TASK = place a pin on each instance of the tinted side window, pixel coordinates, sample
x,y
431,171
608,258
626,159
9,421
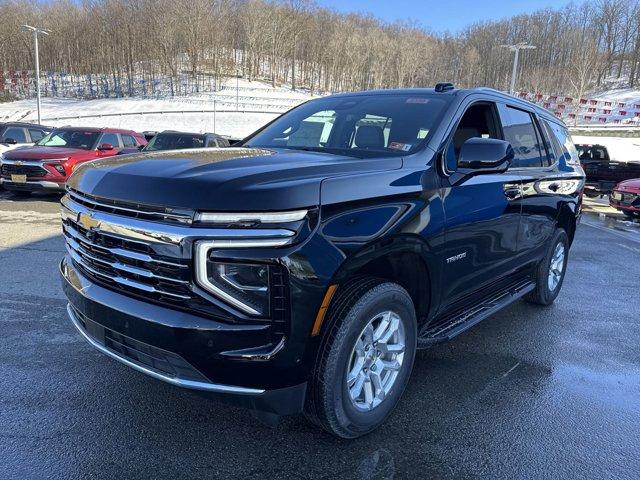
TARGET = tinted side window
x,y
36,135
211,142
128,141
554,151
562,136
478,121
111,138
520,131
16,133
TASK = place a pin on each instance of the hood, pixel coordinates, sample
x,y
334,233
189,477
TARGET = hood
x,y
225,179
633,184
45,153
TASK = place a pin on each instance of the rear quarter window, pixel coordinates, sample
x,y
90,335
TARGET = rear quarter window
x,y
520,130
563,142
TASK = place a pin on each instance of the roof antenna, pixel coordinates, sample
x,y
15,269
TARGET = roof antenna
x,y
444,87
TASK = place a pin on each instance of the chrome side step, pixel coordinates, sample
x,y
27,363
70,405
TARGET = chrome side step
x,y
445,328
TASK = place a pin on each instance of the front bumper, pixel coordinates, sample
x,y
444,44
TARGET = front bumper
x,y
32,186
180,348
630,201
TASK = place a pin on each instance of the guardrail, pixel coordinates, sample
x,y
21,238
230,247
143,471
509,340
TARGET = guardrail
x,y
157,112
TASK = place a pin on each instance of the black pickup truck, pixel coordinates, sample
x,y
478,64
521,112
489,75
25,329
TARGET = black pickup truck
x,y
602,172
300,270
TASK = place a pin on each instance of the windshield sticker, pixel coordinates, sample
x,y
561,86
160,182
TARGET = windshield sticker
x,y
405,147
417,100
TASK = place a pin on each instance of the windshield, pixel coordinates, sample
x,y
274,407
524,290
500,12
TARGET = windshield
x,y
70,139
361,126
175,141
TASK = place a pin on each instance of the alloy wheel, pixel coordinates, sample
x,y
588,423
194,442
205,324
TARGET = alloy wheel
x,y
376,360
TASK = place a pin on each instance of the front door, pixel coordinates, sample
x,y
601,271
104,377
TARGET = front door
x,y
482,216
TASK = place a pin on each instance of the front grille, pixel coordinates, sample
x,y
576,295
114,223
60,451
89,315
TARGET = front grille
x,y
9,169
150,261
630,199
127,264
132,210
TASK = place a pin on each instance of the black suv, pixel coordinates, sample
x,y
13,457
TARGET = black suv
x,y
300,271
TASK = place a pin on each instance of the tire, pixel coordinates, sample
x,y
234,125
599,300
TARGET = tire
x,y
630,215
547,290
329,401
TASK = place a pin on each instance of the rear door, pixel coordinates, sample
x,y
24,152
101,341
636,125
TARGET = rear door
x,y
536,163
482,216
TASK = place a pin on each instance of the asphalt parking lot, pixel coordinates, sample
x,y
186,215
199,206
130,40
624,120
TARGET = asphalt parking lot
x,y
529,393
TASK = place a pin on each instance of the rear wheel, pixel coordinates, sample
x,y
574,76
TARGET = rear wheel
x,y
551,270
365,359
631,215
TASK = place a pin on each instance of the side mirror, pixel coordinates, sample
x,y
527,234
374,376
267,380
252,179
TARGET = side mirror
x,y
10,141
485,155
105,146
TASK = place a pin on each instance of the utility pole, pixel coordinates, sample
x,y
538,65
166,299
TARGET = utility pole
x,y
35,31
516,49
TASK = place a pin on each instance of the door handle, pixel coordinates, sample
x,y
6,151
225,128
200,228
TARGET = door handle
x,y
512,193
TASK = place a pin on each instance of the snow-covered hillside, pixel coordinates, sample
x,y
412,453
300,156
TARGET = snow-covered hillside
x,y
263,101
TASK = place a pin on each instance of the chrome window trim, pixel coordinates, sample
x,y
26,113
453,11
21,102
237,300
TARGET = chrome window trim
x,y
180,382
202,250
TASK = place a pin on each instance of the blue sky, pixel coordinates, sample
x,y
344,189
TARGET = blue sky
x,y
442,15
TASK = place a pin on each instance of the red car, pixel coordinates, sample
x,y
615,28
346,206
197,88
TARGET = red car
x,y
626,197
47,164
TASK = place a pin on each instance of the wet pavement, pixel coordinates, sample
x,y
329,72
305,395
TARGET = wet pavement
x,y
529,393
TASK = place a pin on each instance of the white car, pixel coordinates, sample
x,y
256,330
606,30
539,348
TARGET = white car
x,y
19,134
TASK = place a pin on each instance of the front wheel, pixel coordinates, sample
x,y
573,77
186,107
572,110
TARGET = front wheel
x,y
551,270
365,359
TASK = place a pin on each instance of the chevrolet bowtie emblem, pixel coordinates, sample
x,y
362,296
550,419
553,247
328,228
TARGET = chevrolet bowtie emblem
x,y
87,221
19,162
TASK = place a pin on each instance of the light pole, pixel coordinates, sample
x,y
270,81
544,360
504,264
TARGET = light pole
x,y
35,31
516,49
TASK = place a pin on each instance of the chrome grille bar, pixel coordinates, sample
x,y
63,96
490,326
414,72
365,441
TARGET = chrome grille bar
x,y
133,229
121,266
119,252
121,280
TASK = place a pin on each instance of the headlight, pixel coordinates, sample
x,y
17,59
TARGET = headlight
x,y
242,285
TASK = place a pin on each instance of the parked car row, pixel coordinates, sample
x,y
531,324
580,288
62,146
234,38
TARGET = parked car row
x,y
38,158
